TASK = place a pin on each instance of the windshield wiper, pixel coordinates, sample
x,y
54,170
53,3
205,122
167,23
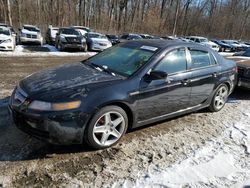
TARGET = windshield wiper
x,y
103,68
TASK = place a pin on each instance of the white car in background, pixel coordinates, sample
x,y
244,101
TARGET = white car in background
x,y
83,30
205,41
97,41
7,40
30,34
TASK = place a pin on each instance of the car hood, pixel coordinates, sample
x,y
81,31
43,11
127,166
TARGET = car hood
x,y
25,31
210,43
64,81
4,37
100,40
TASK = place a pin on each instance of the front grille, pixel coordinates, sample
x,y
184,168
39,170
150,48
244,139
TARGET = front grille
x,y
31,36
73,40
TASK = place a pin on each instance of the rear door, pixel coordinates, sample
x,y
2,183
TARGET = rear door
x,y
205,71
165,96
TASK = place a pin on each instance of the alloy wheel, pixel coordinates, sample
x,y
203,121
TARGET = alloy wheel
x,y
221,97
109,128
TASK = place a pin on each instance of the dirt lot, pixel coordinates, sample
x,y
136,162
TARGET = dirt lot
x,y
197,150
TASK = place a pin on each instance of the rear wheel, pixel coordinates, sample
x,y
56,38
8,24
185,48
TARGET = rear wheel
x,y
106,127
220,98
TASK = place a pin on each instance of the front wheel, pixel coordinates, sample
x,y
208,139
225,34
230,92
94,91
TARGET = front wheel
x,y
106,127
219,99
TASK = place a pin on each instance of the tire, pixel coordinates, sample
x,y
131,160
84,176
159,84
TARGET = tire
x,y
106,127
219,99
85,49
59,47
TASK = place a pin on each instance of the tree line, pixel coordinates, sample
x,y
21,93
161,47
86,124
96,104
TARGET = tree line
x,y
211,18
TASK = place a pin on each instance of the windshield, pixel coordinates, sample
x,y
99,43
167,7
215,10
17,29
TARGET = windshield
x,y
4,31
122,60
112,36
31,29
203,40
98,36
135,37
70,32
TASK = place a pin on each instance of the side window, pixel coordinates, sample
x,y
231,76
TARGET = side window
x,y
173,62
212,59
197,40
199,58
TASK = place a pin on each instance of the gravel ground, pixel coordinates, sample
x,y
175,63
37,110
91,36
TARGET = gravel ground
x,y
201,149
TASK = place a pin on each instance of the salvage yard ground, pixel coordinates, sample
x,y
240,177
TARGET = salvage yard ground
x,y
201,149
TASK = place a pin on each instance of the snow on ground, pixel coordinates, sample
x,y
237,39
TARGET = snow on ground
x,y
42,51
226,53
220,163
239,57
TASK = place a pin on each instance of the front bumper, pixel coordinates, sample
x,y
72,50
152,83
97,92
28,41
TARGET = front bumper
x,y
73,46
99,47
31,40
7,46
56,128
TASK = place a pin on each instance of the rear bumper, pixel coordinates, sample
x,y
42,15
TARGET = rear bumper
x,y
244,82
64,128
98,47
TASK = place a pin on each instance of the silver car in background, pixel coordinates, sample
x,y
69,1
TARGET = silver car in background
x,y
30,34
97,41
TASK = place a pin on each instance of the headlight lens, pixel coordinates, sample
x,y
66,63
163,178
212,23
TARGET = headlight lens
x,y
7,41
63,39
46,106
23,35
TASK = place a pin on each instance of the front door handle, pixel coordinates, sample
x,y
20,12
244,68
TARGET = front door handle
x,y
215,74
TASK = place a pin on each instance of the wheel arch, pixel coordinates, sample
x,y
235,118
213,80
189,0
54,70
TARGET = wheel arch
x,y
125,107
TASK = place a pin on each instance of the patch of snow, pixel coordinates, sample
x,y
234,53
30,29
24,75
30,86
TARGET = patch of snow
x,y
223,162
21,52
239,57
226,53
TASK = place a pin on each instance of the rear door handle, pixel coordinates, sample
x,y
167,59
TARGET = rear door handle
x,y
185,82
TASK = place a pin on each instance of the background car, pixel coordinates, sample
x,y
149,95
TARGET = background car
x,y
223,47
30,34
235,44
130,36
7,40
83,30
129,85
204,41
97,41
114,39
69,38
51,35
146,36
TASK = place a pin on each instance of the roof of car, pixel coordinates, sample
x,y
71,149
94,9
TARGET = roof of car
x,y
29,26
198,37
158,42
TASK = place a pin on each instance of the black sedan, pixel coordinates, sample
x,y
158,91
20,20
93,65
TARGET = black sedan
x,y
129,85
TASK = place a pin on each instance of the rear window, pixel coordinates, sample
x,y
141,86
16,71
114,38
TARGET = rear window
x,y
199,58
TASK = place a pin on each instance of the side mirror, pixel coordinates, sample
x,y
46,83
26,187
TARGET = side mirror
x,y
156,75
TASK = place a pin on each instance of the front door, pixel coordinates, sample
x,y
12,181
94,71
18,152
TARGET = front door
x,y
165,96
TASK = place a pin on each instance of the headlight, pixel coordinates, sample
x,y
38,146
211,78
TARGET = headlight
x,y
23,35
7,41
83,40
46,106
63,39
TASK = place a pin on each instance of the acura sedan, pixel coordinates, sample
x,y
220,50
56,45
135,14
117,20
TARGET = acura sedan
x,y
129,85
